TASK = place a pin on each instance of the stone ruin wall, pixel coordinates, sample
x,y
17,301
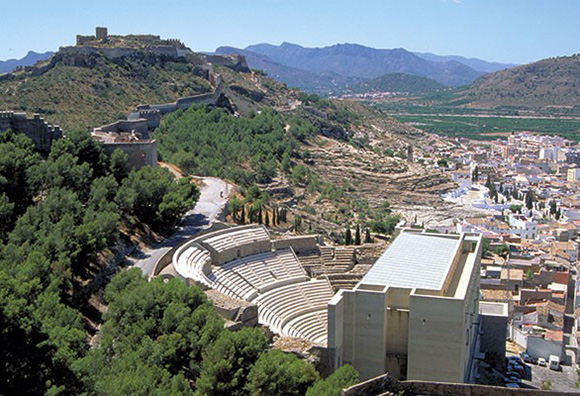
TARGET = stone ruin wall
x,y
139,154
139,126
36,128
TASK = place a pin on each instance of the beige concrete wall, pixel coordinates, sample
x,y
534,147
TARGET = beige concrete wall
x,y
369,336
437,339
336,328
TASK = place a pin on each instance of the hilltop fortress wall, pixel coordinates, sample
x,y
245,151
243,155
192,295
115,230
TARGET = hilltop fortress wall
x,y
139,153
133,134
36,128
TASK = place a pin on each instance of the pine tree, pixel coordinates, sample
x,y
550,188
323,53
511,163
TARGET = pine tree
x,y
357,240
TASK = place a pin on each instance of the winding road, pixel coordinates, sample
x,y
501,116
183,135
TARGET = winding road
x,y
212,199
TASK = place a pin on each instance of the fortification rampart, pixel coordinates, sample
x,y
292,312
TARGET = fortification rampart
x,y
36,128
139,154
138,126
234,62
154,112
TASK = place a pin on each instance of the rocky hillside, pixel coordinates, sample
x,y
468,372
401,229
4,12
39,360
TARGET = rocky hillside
x,y
343,159
553,82
77,89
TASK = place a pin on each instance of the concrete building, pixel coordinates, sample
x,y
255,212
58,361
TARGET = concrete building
x,y
573,174
415,313
525,227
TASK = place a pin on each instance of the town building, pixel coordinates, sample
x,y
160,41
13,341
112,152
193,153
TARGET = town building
x,y
415,313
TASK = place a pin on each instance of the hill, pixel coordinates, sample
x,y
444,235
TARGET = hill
x,y
69,219
308,81
549,83
355,60
29,59
396,82
476,64
76,89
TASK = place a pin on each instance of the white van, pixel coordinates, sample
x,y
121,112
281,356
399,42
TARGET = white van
x,y
554,362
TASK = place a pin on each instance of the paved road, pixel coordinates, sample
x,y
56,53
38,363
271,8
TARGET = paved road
x,y
211,201
562,381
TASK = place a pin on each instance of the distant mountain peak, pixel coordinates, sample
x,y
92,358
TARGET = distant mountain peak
x,y
358,61
29,59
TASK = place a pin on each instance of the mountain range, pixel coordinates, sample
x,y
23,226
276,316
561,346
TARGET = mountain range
x,y
476,64
342,65
28,60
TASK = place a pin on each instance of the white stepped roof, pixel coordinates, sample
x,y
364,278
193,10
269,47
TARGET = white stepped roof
x,y
414,260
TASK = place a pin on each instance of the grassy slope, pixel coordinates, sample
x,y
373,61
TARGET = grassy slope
x,y
79,97
547,83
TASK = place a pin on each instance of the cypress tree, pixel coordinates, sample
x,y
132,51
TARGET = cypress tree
x,y
357,240
267,219
348,236
368,238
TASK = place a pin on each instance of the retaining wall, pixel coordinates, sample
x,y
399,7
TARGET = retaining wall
x,y
385,383
300,244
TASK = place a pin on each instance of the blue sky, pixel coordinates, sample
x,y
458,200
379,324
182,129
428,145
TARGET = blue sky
x,y
517,31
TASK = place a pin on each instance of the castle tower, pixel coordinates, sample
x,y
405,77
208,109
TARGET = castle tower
x,y
101,33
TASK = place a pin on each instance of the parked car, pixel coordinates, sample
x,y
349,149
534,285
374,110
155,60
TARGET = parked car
x,y
515,359
554,362
527,358
542,362
517,369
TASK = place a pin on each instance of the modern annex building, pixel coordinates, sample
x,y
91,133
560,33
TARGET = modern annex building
x,y
415,313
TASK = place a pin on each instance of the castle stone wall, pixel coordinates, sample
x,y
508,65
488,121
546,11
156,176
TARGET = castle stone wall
x,y
140,153
140,126
36,128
